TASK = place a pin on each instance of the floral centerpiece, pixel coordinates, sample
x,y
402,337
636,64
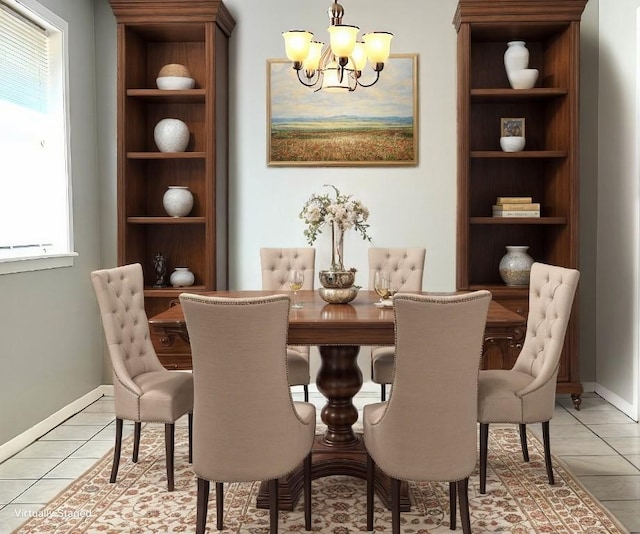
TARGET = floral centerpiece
x,y
340,211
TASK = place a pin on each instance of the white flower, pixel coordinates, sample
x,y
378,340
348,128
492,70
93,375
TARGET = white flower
x,y
341,210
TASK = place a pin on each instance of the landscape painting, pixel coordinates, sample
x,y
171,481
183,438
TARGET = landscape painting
x,y
370,126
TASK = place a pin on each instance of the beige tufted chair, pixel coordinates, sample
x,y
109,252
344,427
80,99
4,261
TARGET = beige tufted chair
x,y
144,391
276,265
240,344
406,267
527,392
427,431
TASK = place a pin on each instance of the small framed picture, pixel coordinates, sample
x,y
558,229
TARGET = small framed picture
x,y
512,127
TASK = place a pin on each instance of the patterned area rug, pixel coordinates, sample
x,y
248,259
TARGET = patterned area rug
x,y
518,500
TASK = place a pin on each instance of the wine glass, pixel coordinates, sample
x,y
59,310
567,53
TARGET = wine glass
x,y
382,285
296,279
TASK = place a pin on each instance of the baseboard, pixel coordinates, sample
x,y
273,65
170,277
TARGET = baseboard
x,y
622,405
38,430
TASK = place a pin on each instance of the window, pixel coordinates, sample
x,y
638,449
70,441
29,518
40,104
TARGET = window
x,y
35,175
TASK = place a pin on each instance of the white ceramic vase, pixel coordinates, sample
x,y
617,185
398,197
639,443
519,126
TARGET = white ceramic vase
x,y
171,135
515,266
516,57
181,277
177,201
513,143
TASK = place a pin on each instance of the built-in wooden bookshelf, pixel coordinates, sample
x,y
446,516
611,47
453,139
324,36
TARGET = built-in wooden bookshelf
x,y
547,168
150,36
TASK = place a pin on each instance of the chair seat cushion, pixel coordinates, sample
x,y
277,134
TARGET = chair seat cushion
x,y
497,399
166,395
298,365
382,364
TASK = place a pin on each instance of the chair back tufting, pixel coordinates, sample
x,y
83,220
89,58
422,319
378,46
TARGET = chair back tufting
x,y
277,263
120,295
551,294
405,266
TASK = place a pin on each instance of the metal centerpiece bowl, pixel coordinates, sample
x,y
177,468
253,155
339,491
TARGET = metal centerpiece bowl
x,y
337,286
337,279
340,295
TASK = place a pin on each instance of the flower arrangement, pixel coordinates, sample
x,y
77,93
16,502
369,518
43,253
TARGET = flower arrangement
x,y
342,212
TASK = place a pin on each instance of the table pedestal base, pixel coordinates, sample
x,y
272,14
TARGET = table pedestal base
x,y
339,451
329,461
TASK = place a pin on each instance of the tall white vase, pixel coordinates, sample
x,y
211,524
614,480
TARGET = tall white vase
x,y
516,57
178,201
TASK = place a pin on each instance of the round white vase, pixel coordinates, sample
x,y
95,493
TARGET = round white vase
x,y
178,201
171,135
181,277
515,266
516,57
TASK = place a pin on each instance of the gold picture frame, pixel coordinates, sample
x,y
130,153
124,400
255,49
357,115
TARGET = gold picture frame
x,y
371,126
512,127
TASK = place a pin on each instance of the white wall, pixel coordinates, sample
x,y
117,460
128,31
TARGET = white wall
x,y
51,339
618,238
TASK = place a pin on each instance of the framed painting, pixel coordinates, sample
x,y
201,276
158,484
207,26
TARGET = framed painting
x,y
512,127
371,126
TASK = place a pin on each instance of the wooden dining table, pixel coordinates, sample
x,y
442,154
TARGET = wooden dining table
x,y
339,330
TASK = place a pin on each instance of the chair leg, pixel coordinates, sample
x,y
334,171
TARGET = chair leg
x,y
307,491
273,506
383,392
168,446
395,506
452,505
116,451
190,418
463,499
306,393
219,505
484,444
137,429
371,472
523,442
202,504
547,451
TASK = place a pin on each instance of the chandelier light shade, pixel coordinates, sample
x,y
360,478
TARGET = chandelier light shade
x,y
339,66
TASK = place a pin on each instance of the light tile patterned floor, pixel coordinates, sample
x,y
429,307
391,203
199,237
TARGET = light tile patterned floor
x,y
599,444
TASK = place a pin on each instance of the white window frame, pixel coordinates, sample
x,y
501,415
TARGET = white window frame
x,y
59,57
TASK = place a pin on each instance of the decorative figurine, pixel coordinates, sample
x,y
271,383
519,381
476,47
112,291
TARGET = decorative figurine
x,y
161,270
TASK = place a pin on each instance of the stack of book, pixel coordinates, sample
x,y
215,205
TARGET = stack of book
x,y
516,207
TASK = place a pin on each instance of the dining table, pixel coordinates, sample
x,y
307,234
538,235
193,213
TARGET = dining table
x,y
339,330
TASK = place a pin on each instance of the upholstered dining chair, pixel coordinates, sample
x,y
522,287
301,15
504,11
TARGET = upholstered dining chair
x,y
405,267
239,345
526,393
144,391
277,264
427,430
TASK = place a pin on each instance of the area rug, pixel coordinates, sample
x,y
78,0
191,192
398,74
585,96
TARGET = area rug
x,y
518,500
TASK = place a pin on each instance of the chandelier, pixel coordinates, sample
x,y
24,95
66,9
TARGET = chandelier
x,y
339,66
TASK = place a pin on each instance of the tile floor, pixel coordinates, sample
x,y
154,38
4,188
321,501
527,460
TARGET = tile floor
x,y
599,444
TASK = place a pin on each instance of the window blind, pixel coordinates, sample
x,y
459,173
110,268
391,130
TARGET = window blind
x,y
24,61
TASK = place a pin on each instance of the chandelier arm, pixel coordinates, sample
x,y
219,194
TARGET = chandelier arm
x,y
368,84
316,74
